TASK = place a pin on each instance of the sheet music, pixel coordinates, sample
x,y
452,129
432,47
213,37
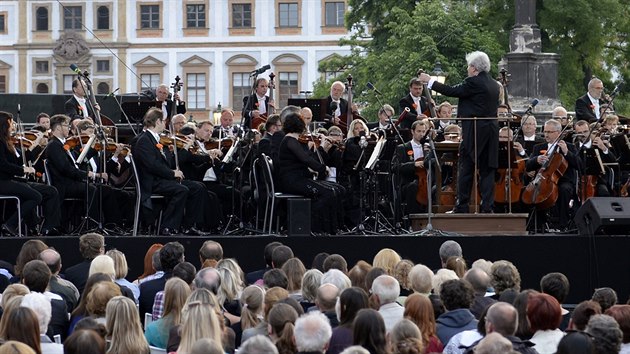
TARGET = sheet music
x,y
375,154
86,149
228,156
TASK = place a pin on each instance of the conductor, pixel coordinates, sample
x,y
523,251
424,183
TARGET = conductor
x,y
478,98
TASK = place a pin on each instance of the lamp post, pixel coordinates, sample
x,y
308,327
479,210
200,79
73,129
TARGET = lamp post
x,y
438,75
216,116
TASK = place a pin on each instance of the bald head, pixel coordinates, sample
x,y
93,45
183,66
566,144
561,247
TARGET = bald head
x,y
52,259
479,280
327,297
502,318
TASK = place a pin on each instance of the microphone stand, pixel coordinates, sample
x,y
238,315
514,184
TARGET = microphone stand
x,y
389,117
125,115
248,105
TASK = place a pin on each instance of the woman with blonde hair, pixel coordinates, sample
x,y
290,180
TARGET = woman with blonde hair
x,y
15,347
386,259
229,291
176,291
121,269
232,264
123,327
405,338
7,307
419,310
198,321
11,291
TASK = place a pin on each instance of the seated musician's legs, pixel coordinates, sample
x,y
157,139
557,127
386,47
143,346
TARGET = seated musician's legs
x,y
409,192
566,191
50,204
78,190
176,194
195,201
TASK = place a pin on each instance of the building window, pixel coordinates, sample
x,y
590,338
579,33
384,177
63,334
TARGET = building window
x,y
240,89
41,67
288,14
334,13
102,88
328,75
3,84
41,88
102,66
41,19
150,81
67,83
72,17
3,23
288,86
196,91
241,15
102,18
150,16
196,16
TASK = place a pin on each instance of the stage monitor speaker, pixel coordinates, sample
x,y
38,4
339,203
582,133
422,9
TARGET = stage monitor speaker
x,y
299,217
604,216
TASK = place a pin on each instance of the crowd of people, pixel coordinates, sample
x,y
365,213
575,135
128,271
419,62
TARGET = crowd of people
x,y
382,305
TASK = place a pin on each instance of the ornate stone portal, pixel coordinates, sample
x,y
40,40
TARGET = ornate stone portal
x,y
71,48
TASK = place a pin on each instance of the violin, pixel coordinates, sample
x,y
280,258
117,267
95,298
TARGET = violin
x,y
218,144
77,140
167,140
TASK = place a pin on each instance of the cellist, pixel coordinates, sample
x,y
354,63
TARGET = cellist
x,y
411,156
566,184
593,152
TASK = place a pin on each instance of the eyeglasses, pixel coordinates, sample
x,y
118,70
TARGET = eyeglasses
x,y
550,131
559,117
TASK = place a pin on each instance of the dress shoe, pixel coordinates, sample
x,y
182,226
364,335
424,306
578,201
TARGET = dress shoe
x,y
193,231
168,232
6,230
51,232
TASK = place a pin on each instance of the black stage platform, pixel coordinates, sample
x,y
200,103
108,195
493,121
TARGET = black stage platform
x,y
588,262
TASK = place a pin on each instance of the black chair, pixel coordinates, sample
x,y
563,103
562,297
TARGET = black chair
x,y
136,219
6,198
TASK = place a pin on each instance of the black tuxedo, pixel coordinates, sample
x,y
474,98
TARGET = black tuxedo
x,y
583,110
412,116
566,183
590,167
408,179
331,108
72,109
225,131
478,97
270,144
249,105
157,177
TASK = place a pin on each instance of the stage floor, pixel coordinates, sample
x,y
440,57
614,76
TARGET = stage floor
x,y
588,262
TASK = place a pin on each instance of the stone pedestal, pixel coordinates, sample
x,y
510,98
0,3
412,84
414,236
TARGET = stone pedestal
x,y
533,74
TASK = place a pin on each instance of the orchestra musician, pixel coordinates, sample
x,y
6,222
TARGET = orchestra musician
x,y
336,105
560,114
478,97
78,107
30,194
444,112
257,104
527,137
65,175
415,102
227,128
411,155
384,114
162,94
295,164
43,119
591,106
307,117
270,143
587,147
566,183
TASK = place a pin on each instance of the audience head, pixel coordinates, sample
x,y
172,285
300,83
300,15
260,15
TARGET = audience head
x,y
457,264
275,277
12,291
606,297
582,313
52,259
199,320
210,253
15,347
520,304
505,276
448,249
457,294
258,344
268,252
337,278
355,349
36,276
41,308
185,271
386,288
207,346
272,296
349,302
421,279
123,327
103,264
544,312
483,264
91,245
170,255
478,279
91,324
358,273
501,318
232,264
372,274
30,250
252,300
556,285
335,261
369,331
621,314
294,270
406,338
280,255
281,321
23,327
83,341
401,273
326,297
120,263
209,279
494,343
318,261
606,334
176,292
576,342
311,281
443,275
419,310
151,266
312,332
386,259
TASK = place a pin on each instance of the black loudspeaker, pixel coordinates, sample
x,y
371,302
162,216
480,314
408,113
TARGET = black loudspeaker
x,y
299,217
604,216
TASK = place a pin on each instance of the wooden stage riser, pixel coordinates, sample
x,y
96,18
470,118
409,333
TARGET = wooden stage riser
x,y
473,224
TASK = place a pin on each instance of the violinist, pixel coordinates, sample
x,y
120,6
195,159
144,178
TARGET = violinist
x,y
258,104
65,175
307,117
527,137
593,150
270,143
416,103
566,183
78,107
384,114
444,112
43,119
226,129
411,156
178,121
561,115
591,106
31,194
295,164
336,105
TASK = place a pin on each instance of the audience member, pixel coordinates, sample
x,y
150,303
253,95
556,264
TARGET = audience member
x,y
349,302
152,266
84,341
494,343
606,334
311,281
557,285
206,346
405,338
280,255
254,276
337,278
544,315
40,306
210,254
98,298
57,285
170,255
176,291
199,320
258,344
441,276
457,265
318,261
505,278
480,281
325,301
401,273
606,297
124,330
294,270
369,331
419,310
275,278
582,313
282,319
121,269
457,296
335,261
386,290
621,314
576,342
90,246
448,249
251,315
386,259
30,250
15,347
358,274
23,327
312,333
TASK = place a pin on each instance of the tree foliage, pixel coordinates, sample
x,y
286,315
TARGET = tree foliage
x,y
590,36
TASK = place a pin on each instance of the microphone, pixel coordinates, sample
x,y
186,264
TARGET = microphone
x,y
76,69
111,94
333,105
531,106
363,142
261,70
371,87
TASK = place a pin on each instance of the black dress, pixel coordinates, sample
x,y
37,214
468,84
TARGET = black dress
x,y
294,177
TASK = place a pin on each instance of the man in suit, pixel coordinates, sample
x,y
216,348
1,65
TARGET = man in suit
x,y
384,114
411,155
566,183
156,175
591,106
162,95
257,105
336,106
226,129
415,102
592,150
78,107
270,143
64,172
478,97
